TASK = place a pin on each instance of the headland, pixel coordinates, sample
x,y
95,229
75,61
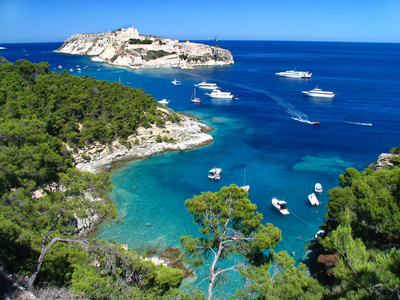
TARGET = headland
x,y
126,47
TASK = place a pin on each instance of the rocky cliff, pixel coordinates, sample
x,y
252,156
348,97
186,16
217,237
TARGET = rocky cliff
x,y
126,47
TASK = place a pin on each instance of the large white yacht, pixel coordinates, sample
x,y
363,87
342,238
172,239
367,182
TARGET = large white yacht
x,y
319,93
294,74
206,85
220,95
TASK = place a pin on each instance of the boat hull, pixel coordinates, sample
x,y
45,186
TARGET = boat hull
x,y
320,95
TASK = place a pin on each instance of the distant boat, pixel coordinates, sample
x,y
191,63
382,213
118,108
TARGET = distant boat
x,y
318,188
294,74
176,82
313,199
315,123
320,233
220,95
60,66
214,173
319,93
194,99
280,205
206,85
164,101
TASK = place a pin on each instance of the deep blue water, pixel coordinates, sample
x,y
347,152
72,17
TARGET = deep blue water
x,y
257,133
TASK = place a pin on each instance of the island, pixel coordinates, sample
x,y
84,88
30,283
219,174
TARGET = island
x,y
126,47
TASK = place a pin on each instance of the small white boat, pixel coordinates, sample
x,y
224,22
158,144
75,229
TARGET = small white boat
x,y
320,233
294,74
280,205
220,95
194,99
318,188
319,93
245,187
313,199
214,173
206,85
71,70
176,82
164,101
60,66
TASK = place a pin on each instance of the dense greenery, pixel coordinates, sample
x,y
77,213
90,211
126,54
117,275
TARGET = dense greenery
x,y
41,193
139,41
363,225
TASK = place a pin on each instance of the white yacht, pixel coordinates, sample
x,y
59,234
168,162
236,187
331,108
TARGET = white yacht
x,y
214,173
318,188
206,85
164,101
319,93
220,95
280,205
313,199
176,82
294,74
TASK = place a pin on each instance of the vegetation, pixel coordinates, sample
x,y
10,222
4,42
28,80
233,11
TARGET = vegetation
x,y
139,41
230,226
363,222
42,196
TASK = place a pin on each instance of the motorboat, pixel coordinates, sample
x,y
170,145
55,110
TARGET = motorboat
x,y
294,74
194,99
176,82
164,101
318,188
320,233
206,85
220,95
319,93
315,123
214,173
245,187
280,205
313,199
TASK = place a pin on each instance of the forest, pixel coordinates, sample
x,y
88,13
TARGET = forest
x,y
41,194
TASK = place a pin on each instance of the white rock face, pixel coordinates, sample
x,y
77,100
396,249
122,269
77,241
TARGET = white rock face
x,y
114,48
187,134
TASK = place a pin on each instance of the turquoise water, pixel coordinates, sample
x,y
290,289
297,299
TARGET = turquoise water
x,y
256,134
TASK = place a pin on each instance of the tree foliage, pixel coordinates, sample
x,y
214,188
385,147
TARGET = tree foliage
x,y
363,226
42,195
230,225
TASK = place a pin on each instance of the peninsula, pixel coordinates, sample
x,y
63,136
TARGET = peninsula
x,y
126,47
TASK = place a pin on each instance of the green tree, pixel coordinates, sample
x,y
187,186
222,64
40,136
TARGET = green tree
x,y
229,224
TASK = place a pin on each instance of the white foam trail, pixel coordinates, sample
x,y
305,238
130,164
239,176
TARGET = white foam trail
x,y
359,124
302,120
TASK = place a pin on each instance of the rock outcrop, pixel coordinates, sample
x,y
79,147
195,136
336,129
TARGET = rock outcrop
x,y
186,134
126,47
384,160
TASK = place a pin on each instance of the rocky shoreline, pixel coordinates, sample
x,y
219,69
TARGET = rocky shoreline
x,y
126,47
186,134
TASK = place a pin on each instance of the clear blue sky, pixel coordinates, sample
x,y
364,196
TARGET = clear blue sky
x,y
295,20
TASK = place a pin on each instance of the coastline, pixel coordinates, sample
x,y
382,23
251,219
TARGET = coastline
x,y
187,134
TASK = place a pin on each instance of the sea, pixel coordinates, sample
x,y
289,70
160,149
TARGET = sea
x,y
264,138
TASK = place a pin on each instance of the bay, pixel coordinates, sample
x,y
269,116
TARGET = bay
x,y
256,136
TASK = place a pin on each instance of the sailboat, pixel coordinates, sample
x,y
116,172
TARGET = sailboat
x,y
245,187
194,99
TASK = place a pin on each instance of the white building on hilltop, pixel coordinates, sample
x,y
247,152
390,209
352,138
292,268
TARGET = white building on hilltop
x,y
129,33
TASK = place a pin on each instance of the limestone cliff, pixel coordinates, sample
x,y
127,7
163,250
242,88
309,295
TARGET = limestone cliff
x,y
126,47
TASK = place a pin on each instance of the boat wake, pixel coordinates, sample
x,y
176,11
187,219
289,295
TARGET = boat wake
x,y
303,121
359,124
